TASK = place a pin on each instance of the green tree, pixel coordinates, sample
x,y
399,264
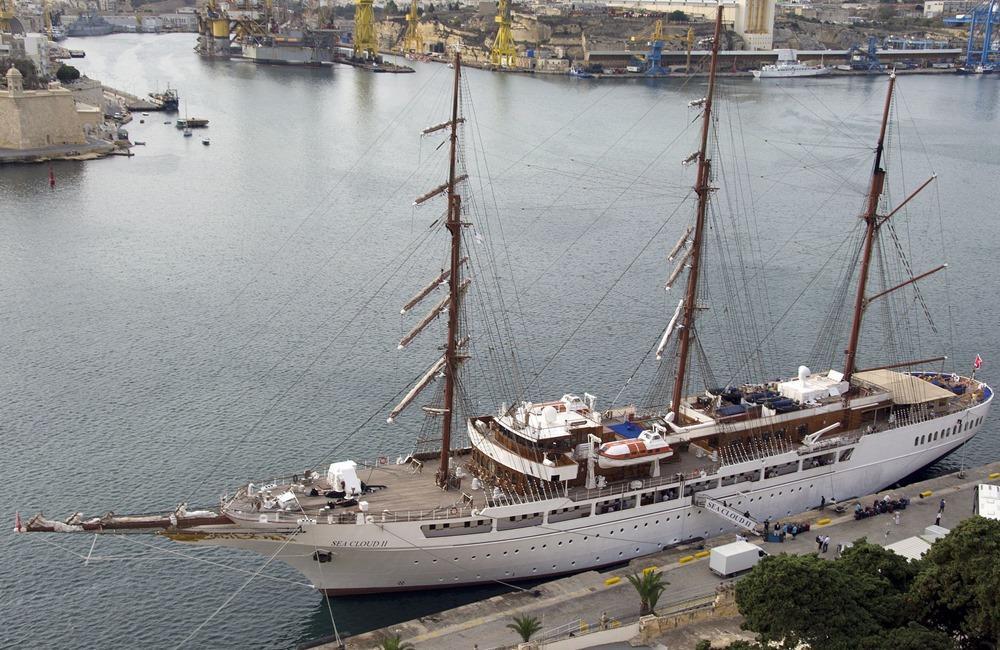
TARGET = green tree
x,y
67,73
800,598
957,588
912,637
525,626
871,559
649,586
391,7
394,642
677,16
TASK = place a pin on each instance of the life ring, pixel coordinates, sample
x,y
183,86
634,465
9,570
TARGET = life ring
x,y
453,511
382,460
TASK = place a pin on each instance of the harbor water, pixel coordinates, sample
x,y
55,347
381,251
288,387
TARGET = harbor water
x,y
180,322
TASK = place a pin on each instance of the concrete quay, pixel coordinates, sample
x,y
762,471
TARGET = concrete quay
x,y
576,603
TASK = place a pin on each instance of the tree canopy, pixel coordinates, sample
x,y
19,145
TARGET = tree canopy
x,y
872,599
958,588
67,73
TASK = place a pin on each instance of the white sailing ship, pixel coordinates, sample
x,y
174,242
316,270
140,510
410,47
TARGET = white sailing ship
x,y
788,65
553,487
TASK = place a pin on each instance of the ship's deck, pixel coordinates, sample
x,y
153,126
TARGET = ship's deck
x,y
408,492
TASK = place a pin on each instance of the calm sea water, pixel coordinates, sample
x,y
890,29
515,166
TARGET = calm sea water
x,y
181,321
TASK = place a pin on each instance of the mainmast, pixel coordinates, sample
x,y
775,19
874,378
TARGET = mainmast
x,y
703,189
454,225
872,223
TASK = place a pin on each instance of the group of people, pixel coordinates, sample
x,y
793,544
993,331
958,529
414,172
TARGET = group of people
x,y
880,506
822,543
778,531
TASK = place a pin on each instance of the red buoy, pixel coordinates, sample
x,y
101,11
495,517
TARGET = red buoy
x,y
52,177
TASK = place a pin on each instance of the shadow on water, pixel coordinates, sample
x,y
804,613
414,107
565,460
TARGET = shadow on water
x,y
373,611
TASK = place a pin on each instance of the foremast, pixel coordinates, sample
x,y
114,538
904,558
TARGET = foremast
x,y
703,190
454,225
448,363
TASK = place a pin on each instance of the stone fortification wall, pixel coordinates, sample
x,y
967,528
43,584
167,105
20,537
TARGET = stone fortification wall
x,y
34,119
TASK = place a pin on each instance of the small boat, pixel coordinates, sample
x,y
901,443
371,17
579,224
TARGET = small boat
x,y
649,446
139,143
187,132
206,141
580,73
145,114
167,122
192,123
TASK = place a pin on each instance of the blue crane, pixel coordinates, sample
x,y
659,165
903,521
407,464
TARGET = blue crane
x,y
982,53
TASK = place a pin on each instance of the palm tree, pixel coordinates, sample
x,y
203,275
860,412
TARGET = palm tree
x,y
394,642
649,585
525,626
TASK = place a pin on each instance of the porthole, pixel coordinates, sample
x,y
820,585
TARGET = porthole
x,y
487,555
532,548
559,544
516,551
570,541
473,557
505,553
416,561
434,561
553,566
573,563
620,553
621,530
534,569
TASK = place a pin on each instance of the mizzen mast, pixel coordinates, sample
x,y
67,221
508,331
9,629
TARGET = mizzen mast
x,y
871,226
702,188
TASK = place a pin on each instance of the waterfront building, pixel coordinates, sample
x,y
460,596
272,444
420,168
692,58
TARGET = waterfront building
x,y
753,20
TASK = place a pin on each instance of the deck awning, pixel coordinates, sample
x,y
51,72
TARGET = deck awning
x,y
627,429
904,388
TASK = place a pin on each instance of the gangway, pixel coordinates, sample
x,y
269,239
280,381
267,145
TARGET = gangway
x,y
732,516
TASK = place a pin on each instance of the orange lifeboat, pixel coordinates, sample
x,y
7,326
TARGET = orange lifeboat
x,y
647,447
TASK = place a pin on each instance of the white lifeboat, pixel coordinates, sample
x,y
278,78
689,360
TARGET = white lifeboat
x,y
649,446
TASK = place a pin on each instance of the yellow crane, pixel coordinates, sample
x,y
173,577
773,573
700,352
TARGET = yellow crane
x,y
412,41
504,52
48,19
365,42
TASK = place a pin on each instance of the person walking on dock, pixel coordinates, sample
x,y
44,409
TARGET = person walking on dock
x,y
937,519
604,620
896,517
826,543
819,542
941,506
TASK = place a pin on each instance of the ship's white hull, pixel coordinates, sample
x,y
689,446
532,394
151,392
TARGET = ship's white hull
x,y
795,72
375,557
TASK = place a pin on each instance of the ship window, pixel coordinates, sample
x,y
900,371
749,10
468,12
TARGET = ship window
x,y
845,455
922,439
916,441
647,498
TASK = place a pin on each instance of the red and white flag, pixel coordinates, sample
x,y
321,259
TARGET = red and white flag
x,y
17,522
978,363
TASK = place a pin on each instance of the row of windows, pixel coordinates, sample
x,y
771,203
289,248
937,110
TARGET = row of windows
x,y
946,433
611,533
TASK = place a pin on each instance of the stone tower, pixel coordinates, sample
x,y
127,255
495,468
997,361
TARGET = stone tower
x,y
15,82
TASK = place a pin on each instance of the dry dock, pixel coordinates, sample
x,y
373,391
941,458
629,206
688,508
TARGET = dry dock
x,y
575,604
